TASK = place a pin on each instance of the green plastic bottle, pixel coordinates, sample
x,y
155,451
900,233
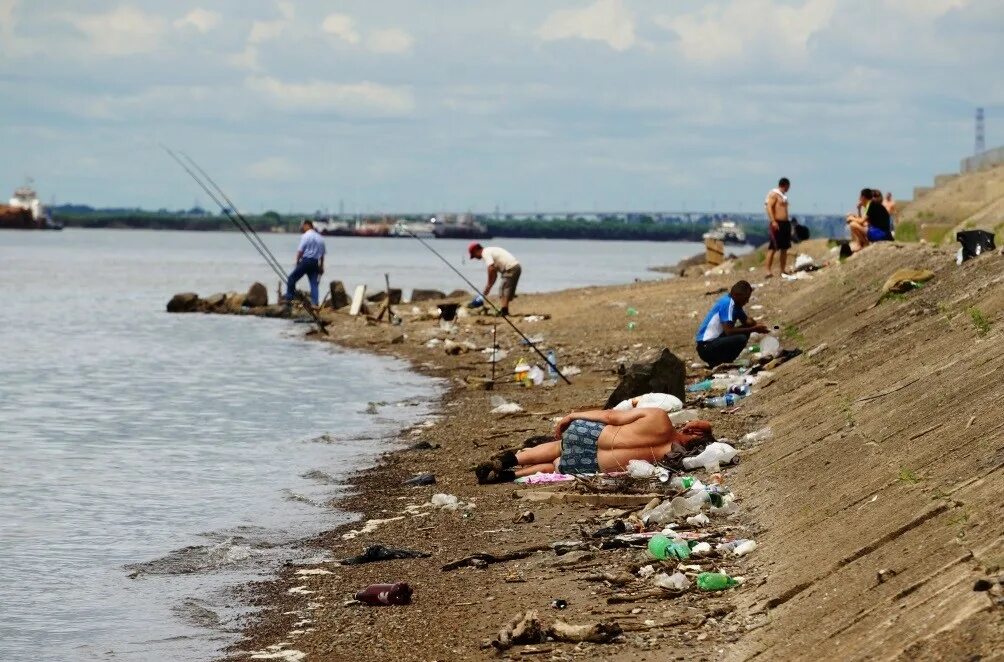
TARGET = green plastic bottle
x,y
715,581
662,548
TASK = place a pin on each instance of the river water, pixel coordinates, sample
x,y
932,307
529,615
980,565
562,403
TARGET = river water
x,y
149,463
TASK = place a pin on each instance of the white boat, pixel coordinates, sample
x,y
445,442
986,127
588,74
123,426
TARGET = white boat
x,y
25,199
728,231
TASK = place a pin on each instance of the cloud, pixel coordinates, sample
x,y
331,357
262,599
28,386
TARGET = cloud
x,y
605,20
927,9
390,40
341,26
262,31
363,99
199,19
122,31
716,34
273,168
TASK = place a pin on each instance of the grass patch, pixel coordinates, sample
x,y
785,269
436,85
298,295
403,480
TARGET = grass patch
x,y
908,476
935,234
792,333
892,296
979,321
907,231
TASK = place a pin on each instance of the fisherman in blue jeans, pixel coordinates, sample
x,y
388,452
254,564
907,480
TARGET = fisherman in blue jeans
x,y
309,262
726,329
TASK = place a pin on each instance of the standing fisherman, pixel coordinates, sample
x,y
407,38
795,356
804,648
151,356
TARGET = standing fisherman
x,y
309,262
499,262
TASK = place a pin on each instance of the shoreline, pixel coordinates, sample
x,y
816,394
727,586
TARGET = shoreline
x,y
307,612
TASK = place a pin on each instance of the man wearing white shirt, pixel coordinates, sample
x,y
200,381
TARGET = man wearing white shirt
x,y
500,262
309,262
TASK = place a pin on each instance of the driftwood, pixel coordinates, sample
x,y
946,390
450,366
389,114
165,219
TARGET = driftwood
x,y
526,628
621,598
482,559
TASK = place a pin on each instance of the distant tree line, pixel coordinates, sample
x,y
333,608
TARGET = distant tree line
x,y
612,229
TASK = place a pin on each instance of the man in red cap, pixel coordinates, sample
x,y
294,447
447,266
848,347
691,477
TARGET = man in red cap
x,y
500,262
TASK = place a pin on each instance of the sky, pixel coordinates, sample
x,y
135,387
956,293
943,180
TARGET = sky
x,y
380,106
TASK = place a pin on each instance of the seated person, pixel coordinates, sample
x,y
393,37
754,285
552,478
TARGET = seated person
x,y
596,441
872,222
726,328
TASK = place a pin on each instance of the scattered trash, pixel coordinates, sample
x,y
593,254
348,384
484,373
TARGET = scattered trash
x,y
974,243
532,340
698,387
571,371
527,629
502,406
699,520
755,437
369,527
643,469
495,355
722,401
445,501
744,548
559,604
715,454
801,275
675,582
662,548
385,594
803,262
715,581
375,553
615,529
534,318
685,416
701,548
632,312
421,479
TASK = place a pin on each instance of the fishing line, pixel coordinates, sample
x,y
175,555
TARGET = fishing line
x,y
490,303
245,228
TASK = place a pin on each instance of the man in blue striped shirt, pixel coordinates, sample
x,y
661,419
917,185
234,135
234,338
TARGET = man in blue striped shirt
x,y
309,262
726,328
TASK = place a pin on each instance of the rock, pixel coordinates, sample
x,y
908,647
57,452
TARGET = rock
x,y
381,296
655,372
426,295
459,294
397,339
214,301
454,348
904,280
339,297
185,302
234,302
257,296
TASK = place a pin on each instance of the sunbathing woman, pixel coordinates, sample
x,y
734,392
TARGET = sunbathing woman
x,y
595,441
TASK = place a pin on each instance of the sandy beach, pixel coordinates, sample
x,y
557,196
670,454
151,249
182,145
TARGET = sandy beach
x,y
874,505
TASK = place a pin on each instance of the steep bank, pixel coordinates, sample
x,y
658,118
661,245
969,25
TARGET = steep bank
x,y
888,446
957,202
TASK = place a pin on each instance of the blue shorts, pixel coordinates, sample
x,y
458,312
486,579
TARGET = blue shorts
x,y
874,234
578,447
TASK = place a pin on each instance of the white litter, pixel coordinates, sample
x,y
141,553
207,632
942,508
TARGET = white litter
x,y
664,401
502,406
700,520
677,581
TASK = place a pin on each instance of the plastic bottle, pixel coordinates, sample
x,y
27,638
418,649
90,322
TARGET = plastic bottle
x,y
680,482
631,326
686,506
715,581
642,469
704,385
662,548
742,390
675,582
725,547
385,594
632,312
552,367
660,515
722,401
745,548
714,454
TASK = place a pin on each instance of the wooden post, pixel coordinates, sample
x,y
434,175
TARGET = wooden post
x,y
714,251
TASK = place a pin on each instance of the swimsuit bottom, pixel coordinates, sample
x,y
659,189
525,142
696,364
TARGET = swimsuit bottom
x,y
578,447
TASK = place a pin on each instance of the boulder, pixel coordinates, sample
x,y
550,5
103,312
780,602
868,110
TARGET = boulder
x,y
655,372
185,302
904,280
381,296
234,302
214,301
426,295
459,294
339,297
257,296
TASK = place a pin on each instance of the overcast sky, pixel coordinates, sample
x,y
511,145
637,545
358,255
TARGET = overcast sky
x,y
467,104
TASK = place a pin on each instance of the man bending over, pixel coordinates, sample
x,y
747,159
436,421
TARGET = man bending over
x,y
726,328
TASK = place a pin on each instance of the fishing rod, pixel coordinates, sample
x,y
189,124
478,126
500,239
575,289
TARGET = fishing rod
x,y
244,226
474,287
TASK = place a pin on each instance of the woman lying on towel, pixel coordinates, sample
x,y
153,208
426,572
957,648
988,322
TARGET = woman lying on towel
x,y
596,441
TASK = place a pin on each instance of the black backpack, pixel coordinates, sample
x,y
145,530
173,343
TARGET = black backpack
x,y
974,243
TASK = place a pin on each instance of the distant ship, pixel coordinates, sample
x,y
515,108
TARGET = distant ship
x,y
26,212
727,231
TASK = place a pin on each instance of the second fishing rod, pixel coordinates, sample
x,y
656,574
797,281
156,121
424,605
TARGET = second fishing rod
x,y
505,318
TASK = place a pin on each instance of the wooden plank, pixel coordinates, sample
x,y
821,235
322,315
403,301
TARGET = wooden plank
x,y
358,297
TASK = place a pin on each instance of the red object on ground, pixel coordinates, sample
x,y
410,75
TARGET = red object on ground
x,y
385,594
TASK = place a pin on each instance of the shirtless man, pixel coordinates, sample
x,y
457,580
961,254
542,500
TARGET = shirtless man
x,y
779,228
890,206
597,441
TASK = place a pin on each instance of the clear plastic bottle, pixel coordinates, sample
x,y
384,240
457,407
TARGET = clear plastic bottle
x,y
722,401
697,387
552,367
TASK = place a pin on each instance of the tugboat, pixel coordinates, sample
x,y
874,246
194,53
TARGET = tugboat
x,y
26,212
727,231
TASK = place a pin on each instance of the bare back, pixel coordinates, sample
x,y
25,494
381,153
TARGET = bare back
x,y
652,428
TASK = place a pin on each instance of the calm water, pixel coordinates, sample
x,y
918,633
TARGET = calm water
x,y
148,462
